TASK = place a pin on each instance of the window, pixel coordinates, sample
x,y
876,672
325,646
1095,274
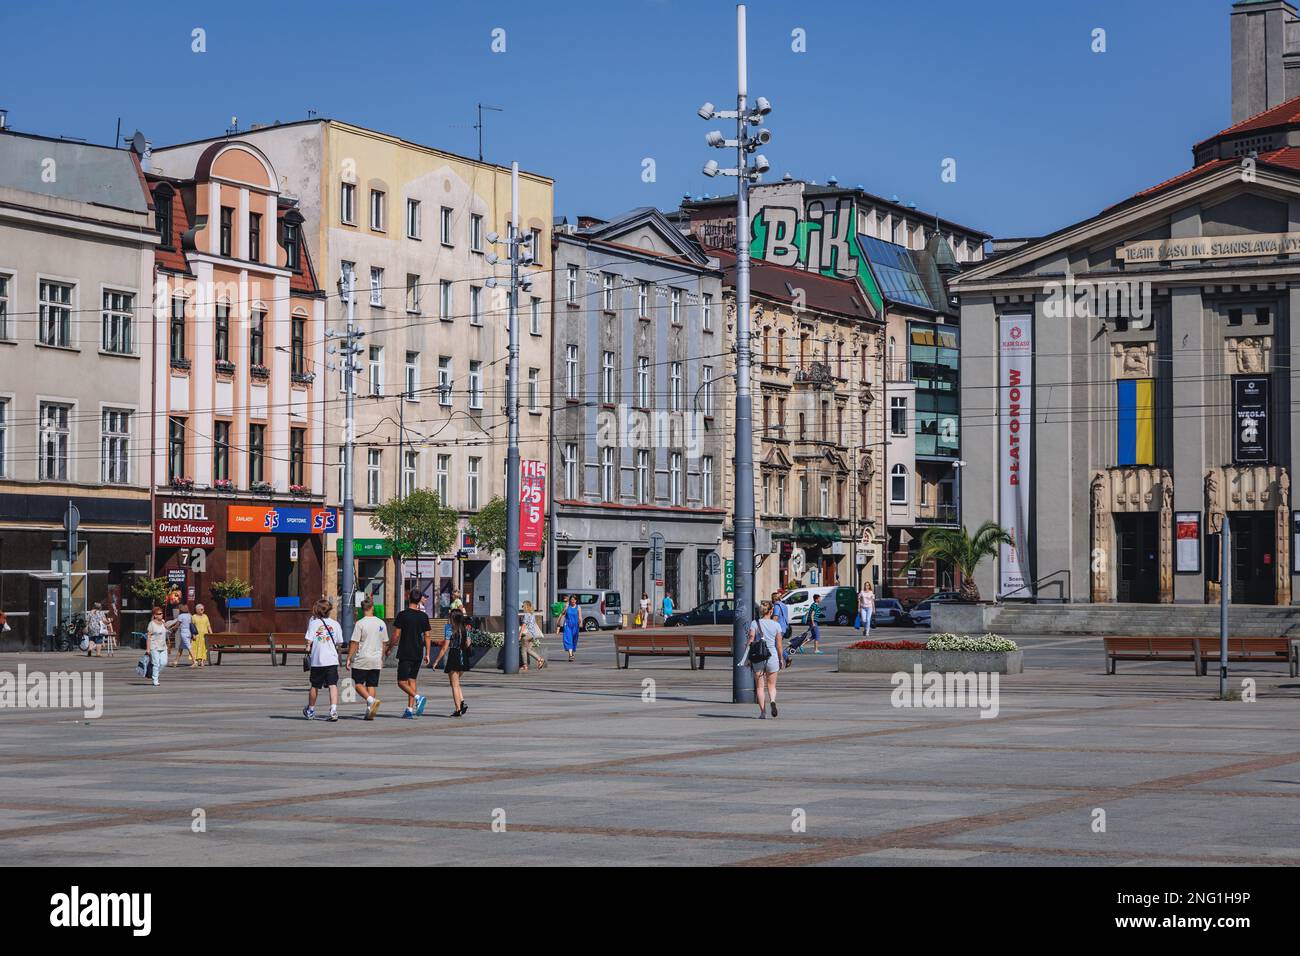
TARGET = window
x,y
440,477
706,312
643,381
643,486
476,233
222,335
898,416
780,496
642,299
412,294
534,389
115,446
675,478
175,448
571,489
118,316
706,481
256,337
824,489
839,424
376,370
675,306
292,246
413,219
412,382
221,451
163,215
254,237
410,461
675,387
348,204
475,305
536,237
607,378
374,473
1234,316
607,474
376,286
767,494
297,346
227,229
444,300
780,347
535,317
803,495
56,312
297,455
571,371
475,386
4,437
898,485
4,307
444,225
605,568
607,285
706,393
471,484
444,380
571,289
176,331
256,454
377,210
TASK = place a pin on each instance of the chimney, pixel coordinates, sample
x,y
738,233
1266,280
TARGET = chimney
x,y
1265,56
4,119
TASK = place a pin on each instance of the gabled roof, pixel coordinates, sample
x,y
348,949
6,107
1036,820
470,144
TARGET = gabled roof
x,y
823,293
645,216
1284,114
85,172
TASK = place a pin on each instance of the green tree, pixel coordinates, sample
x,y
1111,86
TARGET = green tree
x,y
152,591
962,551
489,527
417,523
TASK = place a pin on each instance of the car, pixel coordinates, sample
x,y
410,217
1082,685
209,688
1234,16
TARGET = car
x,y
889,612
920,614
600,610
839,605
719,611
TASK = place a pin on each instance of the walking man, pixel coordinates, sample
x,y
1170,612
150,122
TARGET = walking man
x,y
324,637
414,638
366,655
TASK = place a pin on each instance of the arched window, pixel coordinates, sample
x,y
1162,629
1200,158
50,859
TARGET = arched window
x,y
898,485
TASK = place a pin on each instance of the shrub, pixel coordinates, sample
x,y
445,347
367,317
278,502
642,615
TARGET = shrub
x,y
232,588
152,590
989,643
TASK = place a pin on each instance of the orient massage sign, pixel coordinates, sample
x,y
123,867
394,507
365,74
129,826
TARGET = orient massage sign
x,y
184,524
1212,247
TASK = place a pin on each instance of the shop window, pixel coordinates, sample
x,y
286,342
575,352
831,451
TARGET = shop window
x,y
289,553
239,556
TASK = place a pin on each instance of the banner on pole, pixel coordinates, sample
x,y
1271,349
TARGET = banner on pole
x,y
532,504
1016,415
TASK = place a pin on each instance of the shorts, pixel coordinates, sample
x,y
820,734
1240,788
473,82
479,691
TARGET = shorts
x,y
770,666
97,638
407,670
365,678
325,676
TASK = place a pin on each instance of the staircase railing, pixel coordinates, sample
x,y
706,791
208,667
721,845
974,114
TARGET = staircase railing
x,y
1063,588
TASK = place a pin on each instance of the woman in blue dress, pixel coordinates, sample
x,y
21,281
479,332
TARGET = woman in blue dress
x,y
572,624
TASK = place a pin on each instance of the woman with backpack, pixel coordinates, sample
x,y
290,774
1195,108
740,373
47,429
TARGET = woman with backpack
x,y
763,654
457,652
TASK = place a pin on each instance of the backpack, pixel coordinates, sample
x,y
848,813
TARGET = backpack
x,y
758,649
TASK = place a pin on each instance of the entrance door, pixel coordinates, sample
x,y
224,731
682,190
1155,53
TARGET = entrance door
x,y
1254,571
1137,570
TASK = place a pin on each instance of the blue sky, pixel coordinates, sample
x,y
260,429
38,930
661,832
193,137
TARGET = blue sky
x,y
1044,131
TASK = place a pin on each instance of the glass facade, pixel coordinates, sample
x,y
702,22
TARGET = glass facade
x,y
933,355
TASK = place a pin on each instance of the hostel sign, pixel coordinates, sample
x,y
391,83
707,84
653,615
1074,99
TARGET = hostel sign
x,y
1212,247
184,524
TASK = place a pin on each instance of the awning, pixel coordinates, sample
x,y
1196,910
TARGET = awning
x,y
818,531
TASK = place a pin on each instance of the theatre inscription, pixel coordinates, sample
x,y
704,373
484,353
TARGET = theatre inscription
x,y
1212,247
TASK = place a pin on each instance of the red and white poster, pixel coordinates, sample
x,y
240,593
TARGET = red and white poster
x,y
1015,422
532,504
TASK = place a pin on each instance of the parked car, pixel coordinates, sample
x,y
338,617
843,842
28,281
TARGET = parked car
x,y
600,610
725,610
920,614
839,605
889,612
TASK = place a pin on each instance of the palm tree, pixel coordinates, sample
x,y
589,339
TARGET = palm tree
x,y
962,551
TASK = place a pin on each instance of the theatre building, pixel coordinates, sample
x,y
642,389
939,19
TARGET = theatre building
x,y
1129,385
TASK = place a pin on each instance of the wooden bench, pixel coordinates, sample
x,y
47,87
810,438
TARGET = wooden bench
x,y
1153,649
651,645
710,645
1247,650
287,642
238,643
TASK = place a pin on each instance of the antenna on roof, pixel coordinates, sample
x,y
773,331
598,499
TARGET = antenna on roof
x,y
311,113
234,126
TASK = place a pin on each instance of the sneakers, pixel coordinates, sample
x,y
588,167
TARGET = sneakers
x,y
408,714
420,701
309,713
774,713
370,711
333,717
818,651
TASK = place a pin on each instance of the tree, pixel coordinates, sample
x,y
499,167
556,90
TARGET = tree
x,y
489,527
962,551
418,523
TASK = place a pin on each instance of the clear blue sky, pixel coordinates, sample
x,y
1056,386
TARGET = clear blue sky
x,y
1044,131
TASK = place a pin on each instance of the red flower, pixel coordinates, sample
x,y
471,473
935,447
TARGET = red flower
x,y
888,646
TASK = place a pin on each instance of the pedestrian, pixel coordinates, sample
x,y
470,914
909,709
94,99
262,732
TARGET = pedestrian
x,y
530,638
866,607
814,625
414,638
184,635
324,637
96,628
456,652
668,606
763,655
201,627
366,656
572,625
456,603
645,609
156,641
781,614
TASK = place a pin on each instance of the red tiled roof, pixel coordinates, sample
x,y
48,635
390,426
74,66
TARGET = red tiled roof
x,y
841,296
1283,114
1288,157
172,259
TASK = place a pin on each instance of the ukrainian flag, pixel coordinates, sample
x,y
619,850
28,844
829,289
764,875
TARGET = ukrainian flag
x,y
1136,421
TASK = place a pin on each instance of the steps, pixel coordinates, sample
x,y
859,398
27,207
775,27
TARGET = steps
x,y
1143,620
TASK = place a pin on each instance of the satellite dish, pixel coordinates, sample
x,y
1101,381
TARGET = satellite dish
x,y
138,143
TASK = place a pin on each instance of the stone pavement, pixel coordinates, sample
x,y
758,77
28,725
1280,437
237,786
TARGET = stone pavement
x,y
587,773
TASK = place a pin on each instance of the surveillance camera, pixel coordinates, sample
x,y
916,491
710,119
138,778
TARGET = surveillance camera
x,y
763,137
706,111
490,282
491,258
761,106
710,168
492,238
761,165
715,139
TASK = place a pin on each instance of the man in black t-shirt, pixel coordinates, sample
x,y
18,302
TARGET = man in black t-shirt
x,y
414,636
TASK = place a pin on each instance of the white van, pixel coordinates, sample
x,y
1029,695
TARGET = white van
x,y
799,600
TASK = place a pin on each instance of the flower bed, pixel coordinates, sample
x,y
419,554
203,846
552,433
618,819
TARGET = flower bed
x,y
887,646
948,653
979,645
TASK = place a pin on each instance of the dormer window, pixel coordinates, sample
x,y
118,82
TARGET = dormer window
x,y
163,214
291,239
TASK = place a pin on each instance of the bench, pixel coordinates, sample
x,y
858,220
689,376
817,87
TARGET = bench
x,y
285,643
694,647
1254,649
1153,649
710,645
238,643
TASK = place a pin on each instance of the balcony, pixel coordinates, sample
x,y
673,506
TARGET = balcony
x,y
938,515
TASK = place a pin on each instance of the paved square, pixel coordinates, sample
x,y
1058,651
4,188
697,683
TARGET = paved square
x,y
587,773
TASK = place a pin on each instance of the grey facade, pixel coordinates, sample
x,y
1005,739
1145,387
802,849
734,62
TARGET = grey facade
x,y
1265,56
638,334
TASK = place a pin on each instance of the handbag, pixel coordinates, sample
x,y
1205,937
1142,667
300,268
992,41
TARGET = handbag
x,y
144,667
306,662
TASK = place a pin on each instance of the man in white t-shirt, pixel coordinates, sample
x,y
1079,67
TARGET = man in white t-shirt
x,y
866,607
324,637
366,655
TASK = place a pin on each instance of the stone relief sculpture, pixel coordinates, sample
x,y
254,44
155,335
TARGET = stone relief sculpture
x,y
1213,505
1250,354
1100,539
1137,361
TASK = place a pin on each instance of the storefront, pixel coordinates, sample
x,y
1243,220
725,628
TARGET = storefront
x,y
276,548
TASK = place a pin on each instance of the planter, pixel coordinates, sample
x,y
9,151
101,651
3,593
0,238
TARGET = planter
x,y
239,604
891,662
